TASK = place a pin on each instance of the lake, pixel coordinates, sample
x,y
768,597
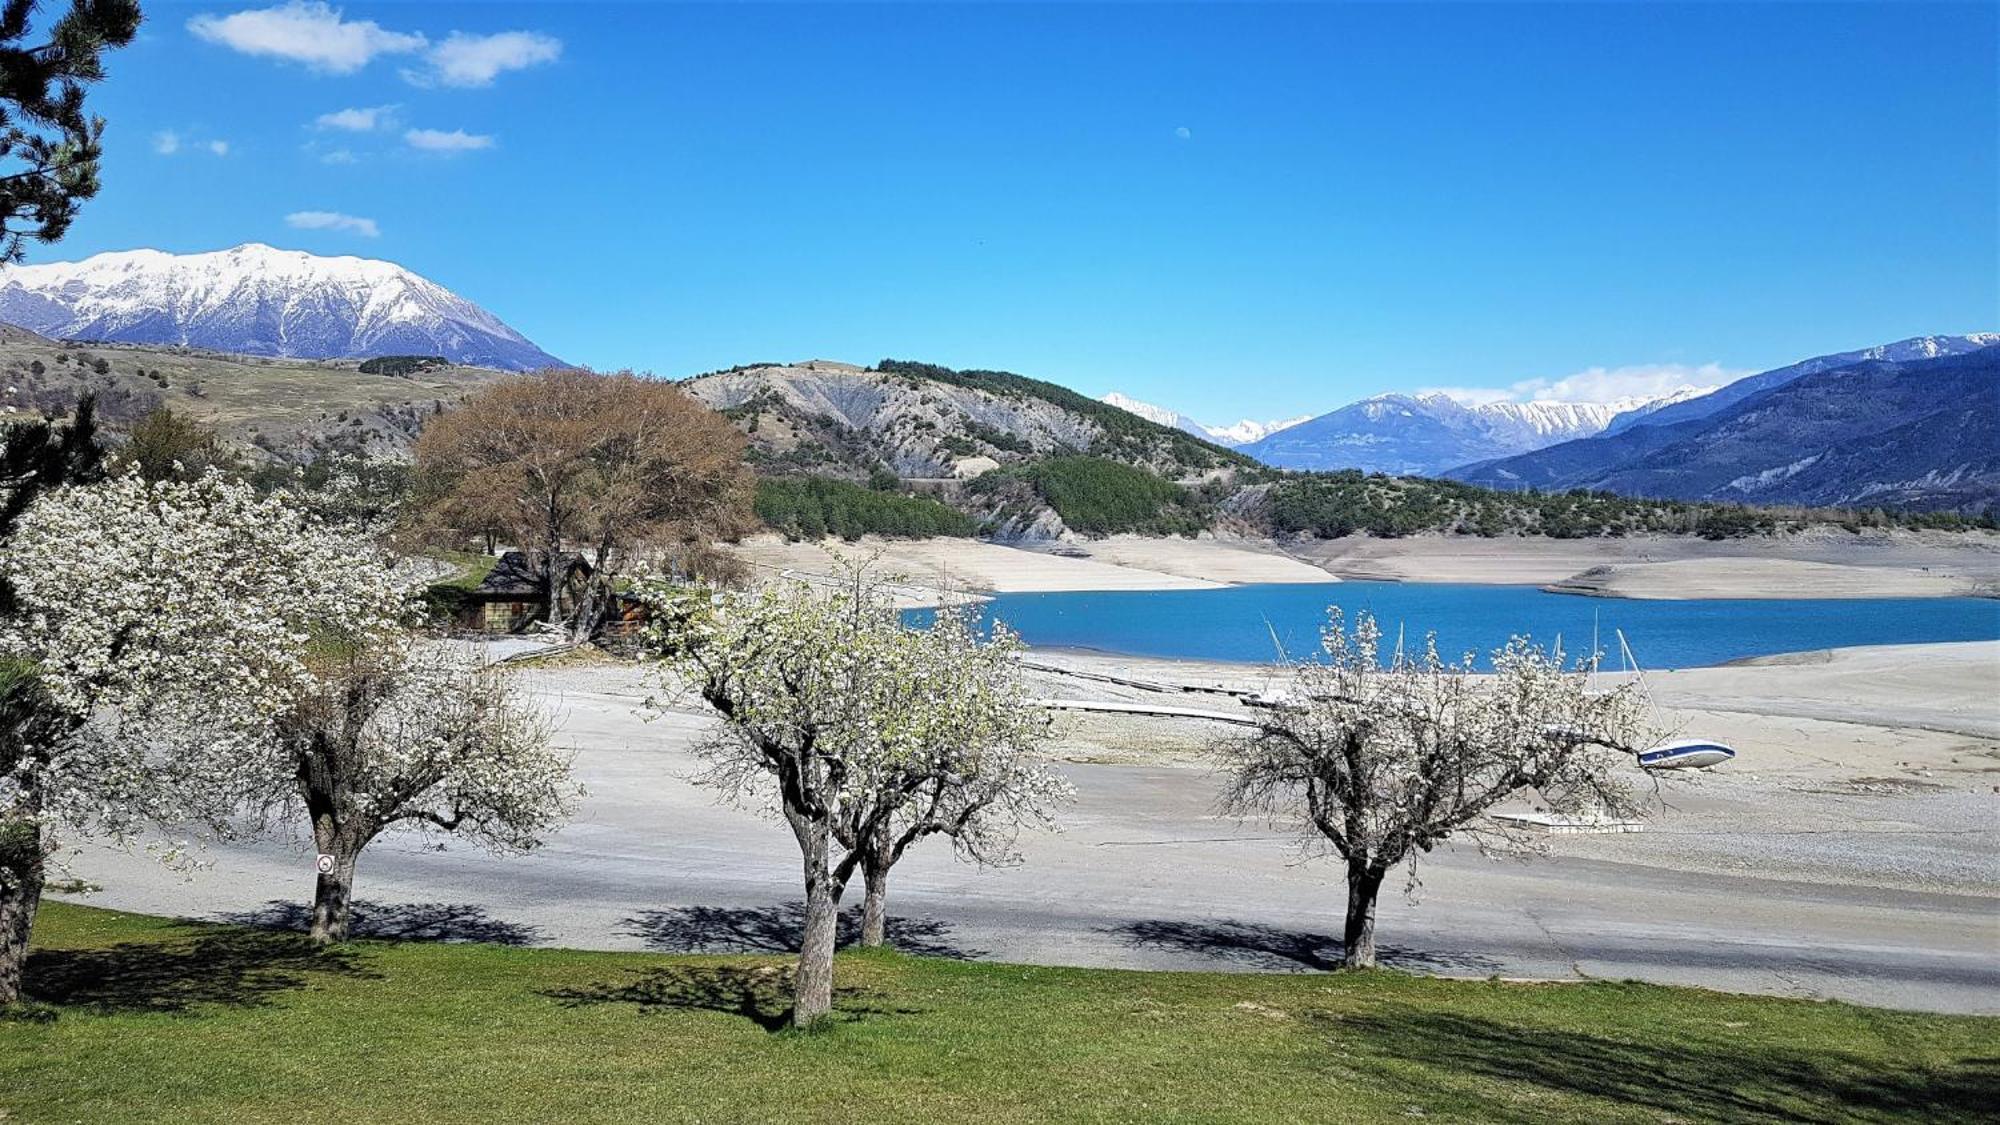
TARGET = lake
x,y
1237,623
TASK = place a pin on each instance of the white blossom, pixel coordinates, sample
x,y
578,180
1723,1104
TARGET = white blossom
x,y
168,623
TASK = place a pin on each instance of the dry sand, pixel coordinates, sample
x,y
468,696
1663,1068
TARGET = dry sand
x,y
1872,767
933,570
1818,564
1762,578
1824,563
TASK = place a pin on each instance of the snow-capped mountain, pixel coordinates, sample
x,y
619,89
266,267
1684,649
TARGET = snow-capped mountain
x,y
259,300
1920,433
1425,434
1237,434
1703,405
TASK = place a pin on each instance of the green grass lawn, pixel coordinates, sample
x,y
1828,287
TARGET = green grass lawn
x,y
145,1019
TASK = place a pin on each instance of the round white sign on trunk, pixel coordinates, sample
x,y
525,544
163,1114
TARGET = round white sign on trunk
x,y
326,865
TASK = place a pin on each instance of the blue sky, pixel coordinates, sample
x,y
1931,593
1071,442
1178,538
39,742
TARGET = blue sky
x,y
1234,210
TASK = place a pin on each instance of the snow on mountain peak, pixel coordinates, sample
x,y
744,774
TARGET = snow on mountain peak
x,y
258,299
1238,433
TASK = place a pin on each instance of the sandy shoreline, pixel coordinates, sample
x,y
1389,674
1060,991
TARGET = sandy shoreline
x,y
1818,564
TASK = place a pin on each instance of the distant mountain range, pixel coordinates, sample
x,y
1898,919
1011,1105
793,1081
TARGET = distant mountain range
x,y
258,300
1913,424
1918,429
1239,434
1920,347
1423,435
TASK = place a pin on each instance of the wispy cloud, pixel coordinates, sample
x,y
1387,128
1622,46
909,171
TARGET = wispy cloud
x,y
314,34
358,119
1184,133
476,60
1470,396
173,142
339,156
1609,384
454,141
334,221
1601,384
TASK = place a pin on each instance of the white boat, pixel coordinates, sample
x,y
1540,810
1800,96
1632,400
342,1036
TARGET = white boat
x,y
1685,754
1680,754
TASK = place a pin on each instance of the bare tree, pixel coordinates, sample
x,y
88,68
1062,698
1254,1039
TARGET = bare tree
x,y
1379,763
571,460
396,735
863,735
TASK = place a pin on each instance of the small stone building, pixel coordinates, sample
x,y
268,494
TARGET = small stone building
x,y
511,597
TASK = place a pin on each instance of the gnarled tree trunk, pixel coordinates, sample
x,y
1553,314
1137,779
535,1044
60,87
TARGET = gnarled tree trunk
x,y
813,985
21,876
1364,883
875,905
335,834
333,892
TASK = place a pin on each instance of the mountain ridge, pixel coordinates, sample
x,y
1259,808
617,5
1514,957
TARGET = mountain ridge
x,y
256,299
1235,435
1427,433
1920,434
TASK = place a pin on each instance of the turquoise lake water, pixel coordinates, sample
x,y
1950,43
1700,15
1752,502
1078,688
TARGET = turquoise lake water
x,y
1236,623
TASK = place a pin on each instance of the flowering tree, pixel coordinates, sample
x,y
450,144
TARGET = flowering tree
x,y
144,611
865,736
394,734
1382,762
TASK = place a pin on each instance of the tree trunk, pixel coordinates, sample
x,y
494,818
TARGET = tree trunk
x,y
875,907
1363,885
21,875
333,893
813,987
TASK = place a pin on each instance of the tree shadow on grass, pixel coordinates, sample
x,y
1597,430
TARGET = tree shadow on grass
x,y
761,994
777,929
397,921
205,965
1270,948
1677,1075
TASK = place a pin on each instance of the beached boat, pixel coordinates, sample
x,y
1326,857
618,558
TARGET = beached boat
x,y
1685,753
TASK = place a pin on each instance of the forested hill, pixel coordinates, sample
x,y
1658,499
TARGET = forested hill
x,y
914,448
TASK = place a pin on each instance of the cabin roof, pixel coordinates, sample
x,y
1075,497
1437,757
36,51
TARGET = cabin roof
x,y
518,574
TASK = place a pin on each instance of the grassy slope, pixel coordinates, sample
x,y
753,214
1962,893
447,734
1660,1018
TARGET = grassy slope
x,y
164,1021
241,397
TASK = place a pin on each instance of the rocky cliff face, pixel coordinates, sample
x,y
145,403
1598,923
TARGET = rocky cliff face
x,y
840,418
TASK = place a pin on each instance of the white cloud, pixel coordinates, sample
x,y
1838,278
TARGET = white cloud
x,y
305,31
1468,396
332,220
359,119
437,140
476,60
173,142
1601,384
339,156
1184,133
1609,384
